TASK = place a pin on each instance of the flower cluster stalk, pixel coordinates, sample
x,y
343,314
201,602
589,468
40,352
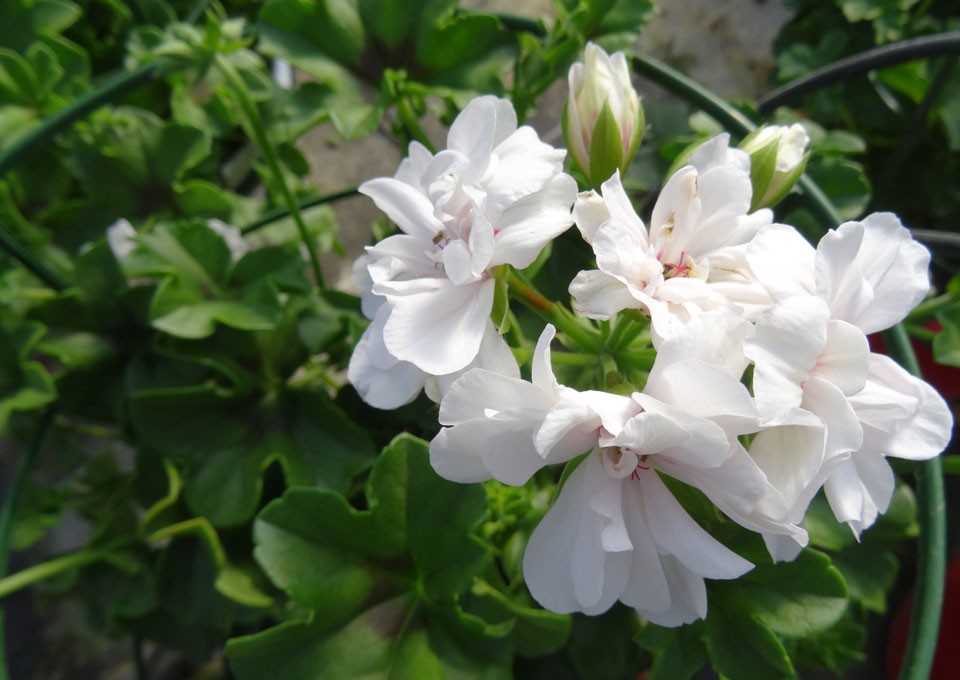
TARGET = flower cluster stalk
x,y
270,156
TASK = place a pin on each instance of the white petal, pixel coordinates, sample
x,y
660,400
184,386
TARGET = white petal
x,y
792,458
896,267
647,590
472,134
688,595
714,337
479,392
844,432
599,296
788,339
503,446
409,208
677,534
667,431
845,357
565,566
619,206
902,415
439,331
568,429
541,370
706,392
717,151
622,251
494,356
783,261
528,224
454,461
412,167
381,380
676,214
839,278
589,212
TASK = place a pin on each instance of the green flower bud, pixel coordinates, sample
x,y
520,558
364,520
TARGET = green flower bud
x,y
602,119
777,159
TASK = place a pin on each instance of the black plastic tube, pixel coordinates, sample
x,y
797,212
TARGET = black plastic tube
x,y
864,62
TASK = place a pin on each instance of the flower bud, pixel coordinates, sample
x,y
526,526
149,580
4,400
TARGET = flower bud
x,y
602,119
777,159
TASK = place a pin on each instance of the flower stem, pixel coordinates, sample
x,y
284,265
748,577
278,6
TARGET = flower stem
x,y
927,309
281,212
266,148
44,570
28,259
409,119
108,89
558,315
931,543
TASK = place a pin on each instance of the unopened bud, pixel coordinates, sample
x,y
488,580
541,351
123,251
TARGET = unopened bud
x,y
777,159
602,119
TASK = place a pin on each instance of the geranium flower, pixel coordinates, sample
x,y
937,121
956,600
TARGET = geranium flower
x,y
810,351
495,196
616,532
693,255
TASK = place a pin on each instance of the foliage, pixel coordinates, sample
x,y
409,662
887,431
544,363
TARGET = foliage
x,y
242,501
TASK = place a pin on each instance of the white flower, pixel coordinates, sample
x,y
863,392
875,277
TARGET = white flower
x,y
692,257
601,89
810,351
616,532
495,196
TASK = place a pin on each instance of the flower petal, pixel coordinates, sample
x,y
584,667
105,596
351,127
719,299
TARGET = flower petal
x,y
439,331
677,534
409,208
382,380
783,261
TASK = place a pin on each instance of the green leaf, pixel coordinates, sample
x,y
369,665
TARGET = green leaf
x,y
606,147
679,653
391,20
330,27
224,486
844,182
741,647
869,573
199,320
792,598
459,38
298,650
536,631
946,343
179,148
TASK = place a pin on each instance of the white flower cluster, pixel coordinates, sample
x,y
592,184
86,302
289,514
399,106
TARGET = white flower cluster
x,y
723,287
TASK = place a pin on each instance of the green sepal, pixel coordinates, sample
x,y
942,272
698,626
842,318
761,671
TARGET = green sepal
x,y
763,166
500,313
606,148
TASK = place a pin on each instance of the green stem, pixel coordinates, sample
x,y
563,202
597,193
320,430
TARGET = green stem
x,y
950,465
24,256
931,543
928,309
108,89
920,333
266,148
559,316
731,119
409,119
639,358
10,508
44,570
280,213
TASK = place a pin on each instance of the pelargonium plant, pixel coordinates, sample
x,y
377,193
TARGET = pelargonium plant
x,y
762,388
